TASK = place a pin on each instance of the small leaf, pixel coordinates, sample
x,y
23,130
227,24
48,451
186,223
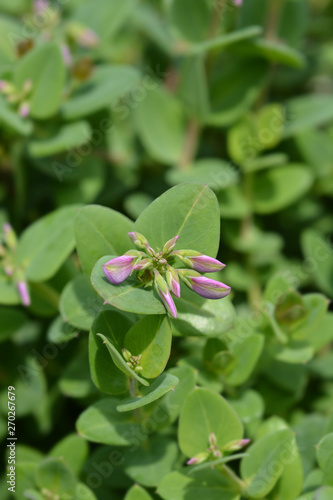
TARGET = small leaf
x,y
101,231
151,338
205,412
119,361
266,461
188,210
104,373
66,138
46,244
163,384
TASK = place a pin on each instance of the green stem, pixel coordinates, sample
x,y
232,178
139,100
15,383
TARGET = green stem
x,y
229,473
19,181
273,19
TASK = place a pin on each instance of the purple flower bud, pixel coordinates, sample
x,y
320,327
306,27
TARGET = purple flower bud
x,y
24,294
212,439
88,38
143,264
118,269
139,240
66,55
164,292
173,281
24,109
170,245
237,445
9,236
198,261
206,287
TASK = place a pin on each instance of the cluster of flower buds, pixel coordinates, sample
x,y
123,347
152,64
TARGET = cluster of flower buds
x,y
213,452
132,361
160,269
7,256
18,97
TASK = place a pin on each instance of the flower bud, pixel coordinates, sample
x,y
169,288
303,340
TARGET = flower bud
x,y
164,292
206,287
126,354
170,245
173,281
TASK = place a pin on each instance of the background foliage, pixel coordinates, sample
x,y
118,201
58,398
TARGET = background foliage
x,y
104,106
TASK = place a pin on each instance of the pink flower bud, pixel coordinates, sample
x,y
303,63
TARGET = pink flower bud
x,y
173,281
24,293
118,269
170,245
164,292
206,287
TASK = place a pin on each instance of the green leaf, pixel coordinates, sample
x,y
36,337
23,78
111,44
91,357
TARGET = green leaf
x,y
79,303
75,381
266,461
171,404
276,52
324,452
60,332
105,17
205,412
308,112
316,306
318,252
246,353
73,450
163,384
119,360
235,91
190,211
128,296
82,492
197,316
107,85
193,87
250,407
137,493
12,120
12,321
105,374
324,493
46,244
149,463
233,205
66,138
151,338
223,41
102,423
276,189
55,477
217,174
198,28
213,485
100,231
162,133
44,66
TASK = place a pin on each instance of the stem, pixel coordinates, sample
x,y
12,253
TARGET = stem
x,y
190,144
273,19
19,181
229,473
